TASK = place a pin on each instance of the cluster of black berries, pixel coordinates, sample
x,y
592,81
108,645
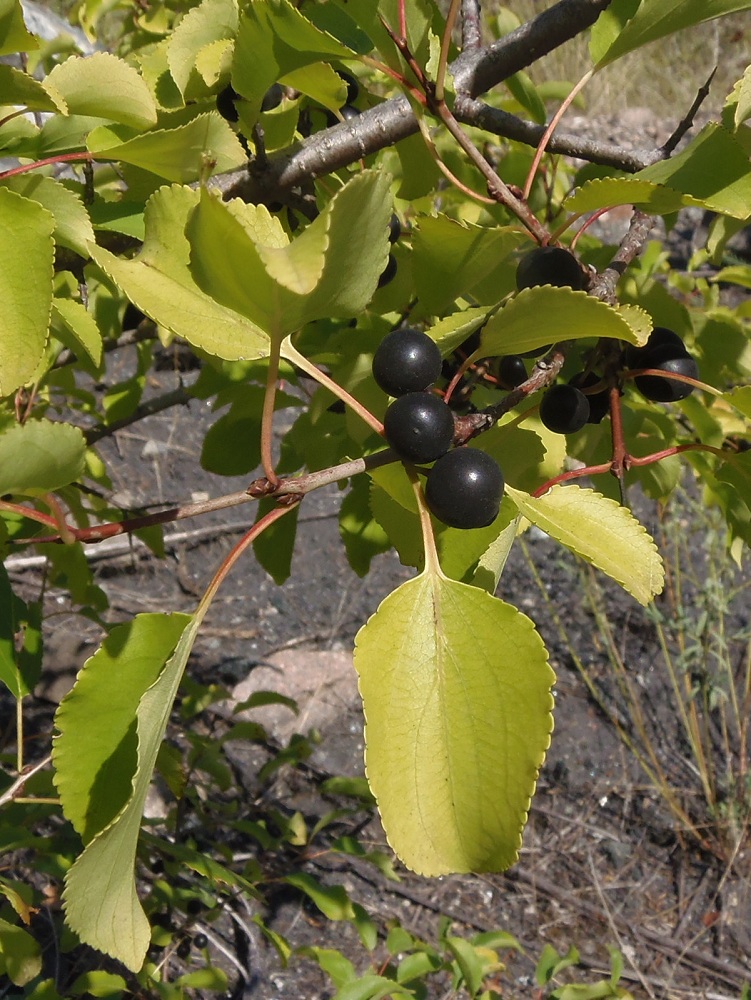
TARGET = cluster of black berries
x,y
464,487
566,408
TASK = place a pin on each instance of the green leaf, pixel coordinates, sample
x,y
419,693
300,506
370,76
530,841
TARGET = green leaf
x,y
100,897
600,531
655,19
95,755
339,969
610,191
468,961
211,21
208,978
78,321
40,456
102,86
119,217
26,270
203,146
537,316
98,983
551,963
73,227
525,93
334,21
159,281
371,987
740,398
13,34
20,954
449,258
456,691
320,83
331,900
330,270
274,39
363,537
20,667
712,169
205,866
19,88
739,99
275,546
492,562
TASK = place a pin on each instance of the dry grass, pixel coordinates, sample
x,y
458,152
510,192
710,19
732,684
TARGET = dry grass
x,y
664,76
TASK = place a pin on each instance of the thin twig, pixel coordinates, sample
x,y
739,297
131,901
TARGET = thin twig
x,y
613,926
11,793
176,397
669,147
603,286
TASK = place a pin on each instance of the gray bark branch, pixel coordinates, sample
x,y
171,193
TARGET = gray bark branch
x,y
474,72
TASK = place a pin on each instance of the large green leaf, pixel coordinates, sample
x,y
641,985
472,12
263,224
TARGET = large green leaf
x,y
449,259
102,86
73,322
602,532
538,316
20,954
203,146
330,270
159,281
73,227
211,21
712,169
96,754
456,690
21,89
40,456
26,269
100,898
654,19
610,191
274,39
13,34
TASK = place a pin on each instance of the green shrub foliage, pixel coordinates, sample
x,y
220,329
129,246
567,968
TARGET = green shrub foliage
x,y
281,186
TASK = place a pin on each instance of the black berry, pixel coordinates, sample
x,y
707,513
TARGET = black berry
x,y
549,266
353,87
419,427
599,402
660,338
564,409
200,941
511,371
389,272
225,103
667,390
395,228
464,488
132,317
272,98
348,112
183,949
407,360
